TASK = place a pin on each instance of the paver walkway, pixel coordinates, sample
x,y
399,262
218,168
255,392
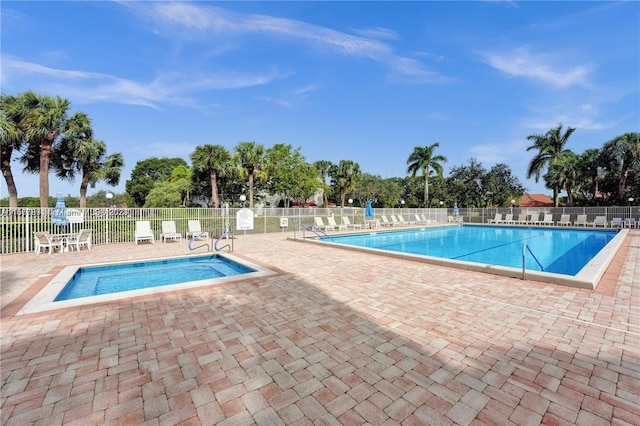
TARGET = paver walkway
x,y
338,337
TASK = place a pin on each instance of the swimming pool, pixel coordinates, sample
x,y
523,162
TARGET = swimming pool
x,y
106,279
575,257
88,284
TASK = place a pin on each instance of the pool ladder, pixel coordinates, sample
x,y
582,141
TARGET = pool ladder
x,y
526,248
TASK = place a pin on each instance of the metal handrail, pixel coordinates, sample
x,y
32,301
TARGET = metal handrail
x,y
526,248
195,237
227,246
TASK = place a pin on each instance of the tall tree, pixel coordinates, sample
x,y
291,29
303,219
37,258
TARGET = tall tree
x,y
288,172
323,167
147,173
250,158
213,160
626,150
423,159
13,112
590,173
548,145
344,176
43,127
564,171
79,152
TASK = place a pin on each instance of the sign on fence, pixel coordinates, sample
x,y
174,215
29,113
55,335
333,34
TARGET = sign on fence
x,y
244,220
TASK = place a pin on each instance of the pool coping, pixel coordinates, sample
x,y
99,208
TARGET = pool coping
x,y
587,278
44,299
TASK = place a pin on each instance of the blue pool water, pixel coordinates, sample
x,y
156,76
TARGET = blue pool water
x,y
97,280
560,251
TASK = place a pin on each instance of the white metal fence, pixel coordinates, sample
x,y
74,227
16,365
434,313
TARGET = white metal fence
x,y
116,225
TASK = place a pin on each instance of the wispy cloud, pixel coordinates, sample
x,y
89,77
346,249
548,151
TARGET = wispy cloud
x,y
521,62
86,86
189,20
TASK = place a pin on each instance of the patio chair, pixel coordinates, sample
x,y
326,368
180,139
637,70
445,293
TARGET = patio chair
x,y
169,231
496,219
522,219
82,239
332,222
616,222
565,220
405,222
547,220
143,232
508,219
195,230
43,240
581,220
600,221
348,224
385,221
320,224
395,221
535,218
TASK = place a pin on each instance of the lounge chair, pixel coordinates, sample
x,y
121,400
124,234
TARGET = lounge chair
x,y
143,232
508,219
195,230
565,220
405,222
82,239
419,220
386,222
535,218
43,240
600,221
617,222
522,219
497,219
547,220
332,222
581,220
395,221
348,224
320,224
169,231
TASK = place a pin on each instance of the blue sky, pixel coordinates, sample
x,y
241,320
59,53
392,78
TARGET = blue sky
x,y
361,81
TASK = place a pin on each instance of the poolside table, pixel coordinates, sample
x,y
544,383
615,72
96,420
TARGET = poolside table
x,y
66,238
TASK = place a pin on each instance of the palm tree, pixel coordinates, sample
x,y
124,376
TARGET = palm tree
x,y
626,149
323,167
43,127
12,114
564,171
344,176
422,159
549,145
79,152
250,157
590,171
211,159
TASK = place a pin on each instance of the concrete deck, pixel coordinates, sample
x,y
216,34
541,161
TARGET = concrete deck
x,y
338,337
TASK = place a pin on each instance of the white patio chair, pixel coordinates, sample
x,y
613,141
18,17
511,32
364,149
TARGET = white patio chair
x,y
143,232
195,230
82,239
348,224
332,222
169,231
43,240
320,224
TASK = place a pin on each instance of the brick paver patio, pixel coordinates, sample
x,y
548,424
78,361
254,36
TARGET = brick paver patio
x,y
337,337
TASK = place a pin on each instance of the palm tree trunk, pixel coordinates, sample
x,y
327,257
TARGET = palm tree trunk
x,y
45,155
426,189
623,180
214,189
250,190
83,189
8,176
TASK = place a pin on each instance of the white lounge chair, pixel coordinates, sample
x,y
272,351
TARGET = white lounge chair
x,y
395,220
600,221
617,222
143,232
508,219
387,222
547,220
169,231
332,222
348,224
565,220
405,222
320,224
195,230
82,239
43,240
535,218
581,220
522,219
497,219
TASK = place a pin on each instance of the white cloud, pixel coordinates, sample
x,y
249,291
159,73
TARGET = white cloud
x,y
521,62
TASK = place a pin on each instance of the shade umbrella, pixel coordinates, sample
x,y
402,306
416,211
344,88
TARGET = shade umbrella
x,y
59,212
455,209
368,212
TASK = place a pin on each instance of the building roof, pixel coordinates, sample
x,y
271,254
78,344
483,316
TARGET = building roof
x,y
535,200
